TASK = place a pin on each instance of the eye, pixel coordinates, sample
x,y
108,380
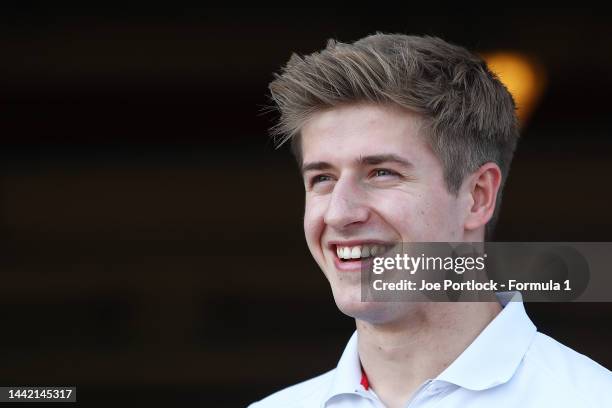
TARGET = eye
x,y
320,183
319,178
384,172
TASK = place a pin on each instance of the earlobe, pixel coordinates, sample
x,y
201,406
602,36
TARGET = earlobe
x,y
484,185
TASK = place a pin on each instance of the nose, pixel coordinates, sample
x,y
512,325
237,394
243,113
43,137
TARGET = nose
x,y
347,205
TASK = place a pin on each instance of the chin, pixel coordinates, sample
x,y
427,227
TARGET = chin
x,y
373,312
348,300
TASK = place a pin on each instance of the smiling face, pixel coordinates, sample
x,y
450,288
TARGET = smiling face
x,y
371,181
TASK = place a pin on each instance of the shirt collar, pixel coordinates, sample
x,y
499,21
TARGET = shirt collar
x,y
494,356
491,359
347,376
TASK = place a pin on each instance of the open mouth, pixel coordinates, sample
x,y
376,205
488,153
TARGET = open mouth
x,y
359,252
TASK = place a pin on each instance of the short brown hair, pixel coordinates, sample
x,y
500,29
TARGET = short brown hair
x,y
468,114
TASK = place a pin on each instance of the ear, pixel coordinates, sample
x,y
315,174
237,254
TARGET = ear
x,y
483,186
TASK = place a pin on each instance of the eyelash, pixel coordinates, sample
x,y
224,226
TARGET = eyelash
x,y
317,179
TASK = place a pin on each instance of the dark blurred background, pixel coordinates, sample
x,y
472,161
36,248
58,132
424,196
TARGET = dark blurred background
x,y
152,246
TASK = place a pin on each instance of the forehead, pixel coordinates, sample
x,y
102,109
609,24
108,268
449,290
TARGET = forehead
x,y
358,130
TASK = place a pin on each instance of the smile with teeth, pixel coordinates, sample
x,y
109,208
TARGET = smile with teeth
x,y
360,251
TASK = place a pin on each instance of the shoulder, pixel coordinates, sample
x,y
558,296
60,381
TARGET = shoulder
x,y
568,371
564,363
305,394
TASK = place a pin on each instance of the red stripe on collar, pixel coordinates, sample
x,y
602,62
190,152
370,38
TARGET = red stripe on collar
x,y
364,380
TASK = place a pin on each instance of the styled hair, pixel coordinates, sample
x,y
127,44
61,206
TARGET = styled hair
x,y
468,115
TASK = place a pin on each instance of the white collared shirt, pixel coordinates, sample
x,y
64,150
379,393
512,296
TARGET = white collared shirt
x,y
509,364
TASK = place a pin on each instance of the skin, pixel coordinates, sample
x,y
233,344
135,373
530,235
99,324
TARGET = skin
x,y
370,176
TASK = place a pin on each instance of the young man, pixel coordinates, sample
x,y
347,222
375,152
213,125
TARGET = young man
x,y
410,139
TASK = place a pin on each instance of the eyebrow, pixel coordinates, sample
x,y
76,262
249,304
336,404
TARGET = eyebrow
x,y
362,160
384,158
320,165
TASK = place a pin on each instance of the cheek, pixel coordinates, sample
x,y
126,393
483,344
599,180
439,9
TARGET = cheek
x,y
313,221
405,215
441,217
424,216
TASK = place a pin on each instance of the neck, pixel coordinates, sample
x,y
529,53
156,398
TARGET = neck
x,y
399,356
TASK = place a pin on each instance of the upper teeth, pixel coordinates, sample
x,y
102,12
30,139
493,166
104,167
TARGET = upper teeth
x,y
359,251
